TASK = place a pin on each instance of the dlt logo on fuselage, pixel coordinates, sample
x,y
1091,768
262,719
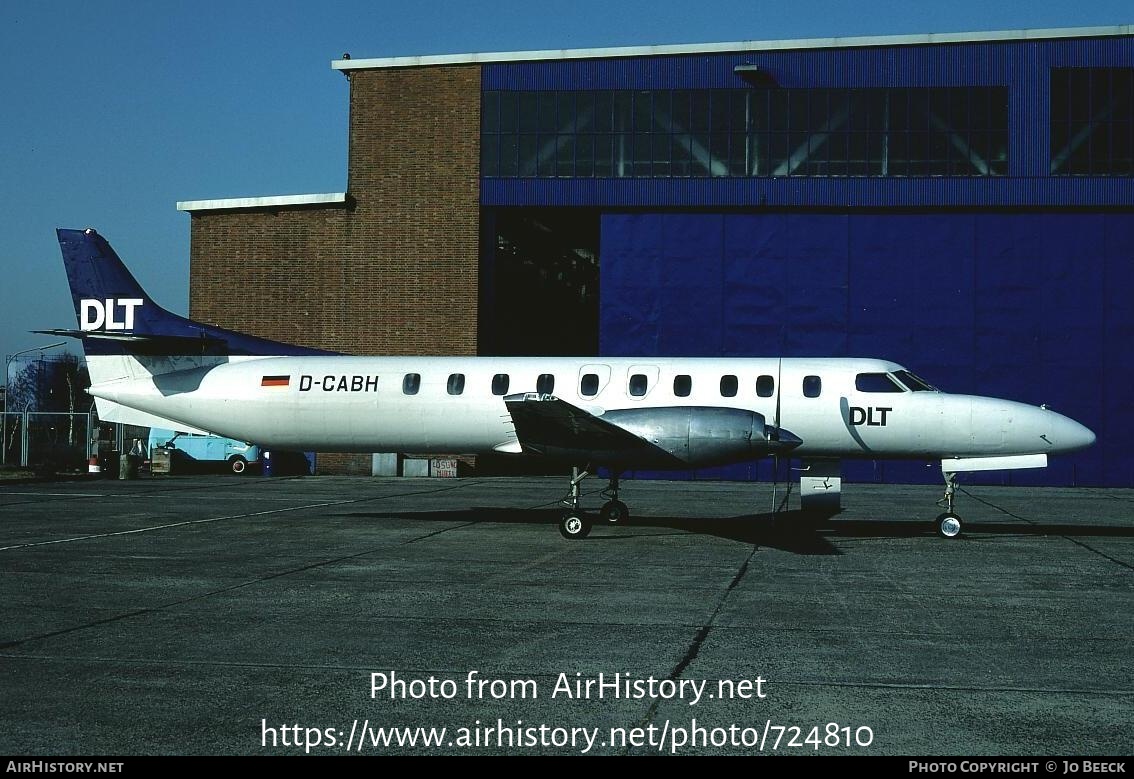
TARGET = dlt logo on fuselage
x,y
96,314
872,416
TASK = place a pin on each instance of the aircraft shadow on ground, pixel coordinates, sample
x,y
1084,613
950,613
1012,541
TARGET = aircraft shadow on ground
x,y
792,531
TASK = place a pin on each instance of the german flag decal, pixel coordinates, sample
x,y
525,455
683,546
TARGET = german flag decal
x,y
275,381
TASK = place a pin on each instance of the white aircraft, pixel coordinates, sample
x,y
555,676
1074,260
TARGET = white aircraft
x,y
154,368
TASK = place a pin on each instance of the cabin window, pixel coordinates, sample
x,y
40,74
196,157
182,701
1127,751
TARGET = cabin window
x,y
765,386
411,383
729,385
588,385
638,385
500,384
456,384
545,384
812,386
682,385
876,382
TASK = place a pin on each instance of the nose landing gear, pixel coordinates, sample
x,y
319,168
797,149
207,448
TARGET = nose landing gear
x,y
948,524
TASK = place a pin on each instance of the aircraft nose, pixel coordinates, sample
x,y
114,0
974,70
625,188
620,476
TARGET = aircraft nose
x,y
1067,435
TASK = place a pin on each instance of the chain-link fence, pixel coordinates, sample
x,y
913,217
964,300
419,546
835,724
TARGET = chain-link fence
x,y
47,440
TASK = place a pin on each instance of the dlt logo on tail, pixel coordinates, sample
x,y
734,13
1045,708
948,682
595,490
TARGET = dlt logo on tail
x,y
94,314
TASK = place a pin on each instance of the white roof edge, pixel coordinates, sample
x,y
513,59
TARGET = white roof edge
x,y
712,48
261,202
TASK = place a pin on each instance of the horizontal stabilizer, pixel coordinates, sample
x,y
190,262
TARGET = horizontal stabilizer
x,y
146,343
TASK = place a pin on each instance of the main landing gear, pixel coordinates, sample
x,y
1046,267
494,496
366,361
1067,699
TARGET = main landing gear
x,y
614,511
948,524
575,523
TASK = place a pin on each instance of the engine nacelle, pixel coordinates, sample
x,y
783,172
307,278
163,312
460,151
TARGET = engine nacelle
x,y
701,436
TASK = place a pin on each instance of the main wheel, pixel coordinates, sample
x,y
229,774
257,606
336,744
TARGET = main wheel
x,y
948,525
237,463
615,512
574,525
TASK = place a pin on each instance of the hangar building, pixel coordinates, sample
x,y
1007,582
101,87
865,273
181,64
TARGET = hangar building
x,y
961,204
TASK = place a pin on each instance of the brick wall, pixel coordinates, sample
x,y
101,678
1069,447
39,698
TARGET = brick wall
x,y
393,271
278,275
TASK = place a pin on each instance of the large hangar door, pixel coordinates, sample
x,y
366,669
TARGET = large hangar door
x,y
1029,306
540,282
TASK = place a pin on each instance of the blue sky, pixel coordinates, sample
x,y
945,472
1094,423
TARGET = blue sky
x,y
114,111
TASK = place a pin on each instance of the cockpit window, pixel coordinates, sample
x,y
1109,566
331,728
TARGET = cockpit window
x,y
915,382
876,382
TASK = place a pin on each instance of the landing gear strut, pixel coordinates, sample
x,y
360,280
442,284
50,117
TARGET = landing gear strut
x,y
948,524
574,524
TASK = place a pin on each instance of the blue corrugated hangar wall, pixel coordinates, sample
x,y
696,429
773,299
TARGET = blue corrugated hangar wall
x,y
1016,286
1033,307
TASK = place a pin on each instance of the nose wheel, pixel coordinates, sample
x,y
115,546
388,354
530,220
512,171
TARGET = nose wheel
x,y
948,524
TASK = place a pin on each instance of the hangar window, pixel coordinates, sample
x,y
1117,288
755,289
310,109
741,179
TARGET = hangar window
x,y
545,384
876,382
638,385
456,384
682,385
729,385
765,386
812,386
588,385
411,383
500,384
1092,121
758,131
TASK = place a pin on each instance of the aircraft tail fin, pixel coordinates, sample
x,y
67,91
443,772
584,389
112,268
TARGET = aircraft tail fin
x,y
126,335
116,316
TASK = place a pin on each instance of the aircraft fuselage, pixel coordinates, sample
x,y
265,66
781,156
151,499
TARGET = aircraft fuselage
x,y
456,404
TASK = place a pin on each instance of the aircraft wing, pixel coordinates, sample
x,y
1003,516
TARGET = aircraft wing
x,y
643,437
546,424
